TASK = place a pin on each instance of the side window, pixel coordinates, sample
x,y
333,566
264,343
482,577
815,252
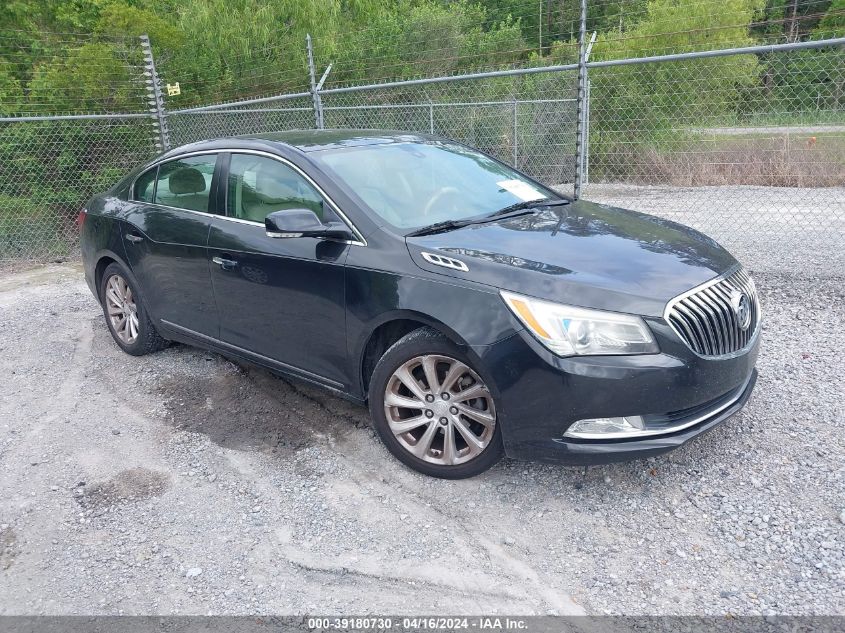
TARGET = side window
x,y
259,186
186,183
145,186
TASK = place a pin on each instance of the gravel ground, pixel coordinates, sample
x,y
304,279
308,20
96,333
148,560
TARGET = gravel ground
x,y
181,483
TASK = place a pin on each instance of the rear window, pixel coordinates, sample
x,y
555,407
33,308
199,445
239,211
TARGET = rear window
x,y
145,186
185,183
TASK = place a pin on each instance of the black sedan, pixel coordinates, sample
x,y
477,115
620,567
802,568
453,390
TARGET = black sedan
x,y
478,312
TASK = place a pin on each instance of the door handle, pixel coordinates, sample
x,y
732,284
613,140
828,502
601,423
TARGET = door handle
x,y
225,264
132,237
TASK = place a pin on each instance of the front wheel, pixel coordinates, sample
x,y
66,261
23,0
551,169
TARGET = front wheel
x,y
432,410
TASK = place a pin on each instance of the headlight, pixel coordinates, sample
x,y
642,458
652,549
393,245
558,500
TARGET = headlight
x,y
570,331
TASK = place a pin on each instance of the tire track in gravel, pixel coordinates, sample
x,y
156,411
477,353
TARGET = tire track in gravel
x,y
471,542
470,590
66,398
339,436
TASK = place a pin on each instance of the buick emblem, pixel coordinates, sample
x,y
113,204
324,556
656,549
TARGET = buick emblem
x,y
741,305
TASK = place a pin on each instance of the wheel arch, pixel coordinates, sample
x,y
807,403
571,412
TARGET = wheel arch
x,y
104,258
389,329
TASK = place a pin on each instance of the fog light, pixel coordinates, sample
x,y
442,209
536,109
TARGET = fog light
x,y
605,428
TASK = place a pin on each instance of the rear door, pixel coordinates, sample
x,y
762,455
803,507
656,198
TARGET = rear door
x,y
166,235
281,298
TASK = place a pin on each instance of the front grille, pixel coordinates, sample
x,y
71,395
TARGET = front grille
x,y
708,318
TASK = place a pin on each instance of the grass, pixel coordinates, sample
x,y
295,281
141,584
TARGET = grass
x,y
803,118
773,160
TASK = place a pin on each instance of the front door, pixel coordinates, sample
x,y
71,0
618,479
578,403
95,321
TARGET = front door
x,y
165,234
281,298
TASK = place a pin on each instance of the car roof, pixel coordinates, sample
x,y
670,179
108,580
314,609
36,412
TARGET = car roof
x,y
317,140
308,140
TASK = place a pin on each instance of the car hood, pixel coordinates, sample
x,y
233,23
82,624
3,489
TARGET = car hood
x,y
582,254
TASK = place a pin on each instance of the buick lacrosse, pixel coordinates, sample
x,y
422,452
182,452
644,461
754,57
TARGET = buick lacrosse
x,y
477,312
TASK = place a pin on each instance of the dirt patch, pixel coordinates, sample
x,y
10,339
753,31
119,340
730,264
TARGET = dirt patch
x,y
247,408
134,484
8,547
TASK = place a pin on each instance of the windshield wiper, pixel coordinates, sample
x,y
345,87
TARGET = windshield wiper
x,y
520,208
530,204
451,225
440,227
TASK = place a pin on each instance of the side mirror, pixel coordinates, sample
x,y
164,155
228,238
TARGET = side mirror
x,y
303,223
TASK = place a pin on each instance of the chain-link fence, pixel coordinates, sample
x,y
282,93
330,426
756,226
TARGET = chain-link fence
x,y
76,123
757,164
49,168
697,111
527,122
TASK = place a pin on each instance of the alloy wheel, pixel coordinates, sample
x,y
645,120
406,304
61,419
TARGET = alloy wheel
x,y
439,410
122,309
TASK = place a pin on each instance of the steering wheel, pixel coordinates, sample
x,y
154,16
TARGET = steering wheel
x,y
435,199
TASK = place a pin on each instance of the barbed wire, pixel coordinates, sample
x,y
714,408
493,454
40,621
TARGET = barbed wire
x,y
83,74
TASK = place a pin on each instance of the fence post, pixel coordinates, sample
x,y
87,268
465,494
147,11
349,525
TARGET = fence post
x,y
154,95
585,159
515,150
582,96
315,93
430,117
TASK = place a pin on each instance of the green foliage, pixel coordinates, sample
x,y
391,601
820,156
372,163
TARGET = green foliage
x,y
656,96
91,77
670,26
119,19
423,39
11,94
833,22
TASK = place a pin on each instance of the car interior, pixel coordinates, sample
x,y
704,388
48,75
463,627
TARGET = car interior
x,y
259,186
184,188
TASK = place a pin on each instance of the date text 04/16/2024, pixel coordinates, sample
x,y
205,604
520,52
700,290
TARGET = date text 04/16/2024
x,y
424,623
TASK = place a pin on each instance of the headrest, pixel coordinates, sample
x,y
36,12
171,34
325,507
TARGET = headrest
x,y
186,180
276,185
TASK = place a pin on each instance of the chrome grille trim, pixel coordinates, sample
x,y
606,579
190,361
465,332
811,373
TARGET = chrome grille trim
x,y
704,317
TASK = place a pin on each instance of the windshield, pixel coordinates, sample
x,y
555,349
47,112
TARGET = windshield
x,y
413,185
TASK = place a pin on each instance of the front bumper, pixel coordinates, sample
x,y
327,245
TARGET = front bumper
x,y
607,451
541,395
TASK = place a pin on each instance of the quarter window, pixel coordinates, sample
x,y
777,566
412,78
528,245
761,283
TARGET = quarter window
x,y
258,186
186,183
145,185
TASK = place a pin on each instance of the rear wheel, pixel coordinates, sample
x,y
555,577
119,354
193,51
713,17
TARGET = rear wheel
x,y
126,316
432,409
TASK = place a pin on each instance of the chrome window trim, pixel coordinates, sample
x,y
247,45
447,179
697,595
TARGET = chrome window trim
x,y
360,241
707,284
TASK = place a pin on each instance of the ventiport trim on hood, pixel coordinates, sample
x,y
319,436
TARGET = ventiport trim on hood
x,y
446,262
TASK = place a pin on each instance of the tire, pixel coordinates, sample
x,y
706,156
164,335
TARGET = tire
x,y
135,333
415,423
